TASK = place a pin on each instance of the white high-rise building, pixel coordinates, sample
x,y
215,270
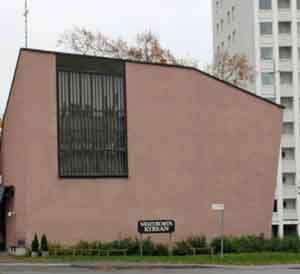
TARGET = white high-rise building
x,y
268,33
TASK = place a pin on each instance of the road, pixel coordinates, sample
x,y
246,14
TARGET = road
x,y
66,270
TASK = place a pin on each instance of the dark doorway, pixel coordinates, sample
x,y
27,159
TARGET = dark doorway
x,y
2,225
275,231
290,230
6,193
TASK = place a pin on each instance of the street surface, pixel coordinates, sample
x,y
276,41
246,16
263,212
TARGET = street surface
x,y
67,270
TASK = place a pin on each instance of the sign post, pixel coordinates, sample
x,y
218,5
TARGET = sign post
x,y
141,245
221,208
156,227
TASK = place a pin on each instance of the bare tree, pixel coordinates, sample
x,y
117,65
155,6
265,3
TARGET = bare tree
x,y
146,47
234,69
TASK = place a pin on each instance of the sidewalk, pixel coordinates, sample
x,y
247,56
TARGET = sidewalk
x,y
141,266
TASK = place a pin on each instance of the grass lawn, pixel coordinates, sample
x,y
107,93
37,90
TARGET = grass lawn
x,y
229,259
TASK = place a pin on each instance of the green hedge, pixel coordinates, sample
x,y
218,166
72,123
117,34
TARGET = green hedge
x,y
243,244
250,244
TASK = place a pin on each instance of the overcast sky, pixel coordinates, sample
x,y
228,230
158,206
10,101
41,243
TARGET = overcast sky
x,y
183,26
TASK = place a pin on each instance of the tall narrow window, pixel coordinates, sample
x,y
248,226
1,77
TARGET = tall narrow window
x,y
285,27
266,28
91,118
266,53
265,4
284,4
267,78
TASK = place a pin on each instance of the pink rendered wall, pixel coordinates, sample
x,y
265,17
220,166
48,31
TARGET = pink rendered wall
x,y
14,153
192,141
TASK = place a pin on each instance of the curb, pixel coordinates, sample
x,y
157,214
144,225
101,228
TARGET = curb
x,y
137,266
110,266
14,264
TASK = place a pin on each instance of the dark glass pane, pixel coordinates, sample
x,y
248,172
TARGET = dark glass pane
x,y
92,125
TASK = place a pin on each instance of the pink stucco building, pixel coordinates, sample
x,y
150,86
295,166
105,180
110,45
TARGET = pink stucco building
x,y
90,146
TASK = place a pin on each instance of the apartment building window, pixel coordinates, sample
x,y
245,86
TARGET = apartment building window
x,y
275,206
228,17
222,24
92,118
288,153
287,102
288,128
266,53
289,179
284,4
298,53
285,52
298,4
272,99
265,4
233,36
298,28
218,28
286,78
229,40
233,13
290,230
266,28
285,27
267,78
289,204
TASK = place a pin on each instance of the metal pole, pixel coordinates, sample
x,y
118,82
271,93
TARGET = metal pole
x,y
141,244
222,232
26,24
170,245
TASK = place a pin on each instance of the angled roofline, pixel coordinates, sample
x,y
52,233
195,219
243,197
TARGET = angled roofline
x,y
133,62
10,89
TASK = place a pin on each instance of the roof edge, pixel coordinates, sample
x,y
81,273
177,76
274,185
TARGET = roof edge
x,y
10,89
153,64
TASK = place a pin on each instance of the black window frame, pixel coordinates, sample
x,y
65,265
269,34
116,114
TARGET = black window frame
x,y
115,68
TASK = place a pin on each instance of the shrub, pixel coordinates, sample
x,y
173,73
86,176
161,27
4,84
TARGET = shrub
x,y
44,243
197,241
148,247
35,245
182,248
229,246
160,250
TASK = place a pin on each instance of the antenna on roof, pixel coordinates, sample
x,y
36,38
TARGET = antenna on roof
x,y
26,12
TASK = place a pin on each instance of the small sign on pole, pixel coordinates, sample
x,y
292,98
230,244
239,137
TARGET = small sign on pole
x,y
217,207
221,208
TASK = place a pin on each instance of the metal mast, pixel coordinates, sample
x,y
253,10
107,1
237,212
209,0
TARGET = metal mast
x,y
26,24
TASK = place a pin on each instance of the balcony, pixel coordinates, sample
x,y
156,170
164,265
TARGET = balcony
x,y
266,39
275,217
286,90
267,65
288,140
288,115
284,14
285,64
290,214
265,15
288,166
285,39
289,191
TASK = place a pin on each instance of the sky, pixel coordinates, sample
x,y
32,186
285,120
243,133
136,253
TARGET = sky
x,y
185,27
